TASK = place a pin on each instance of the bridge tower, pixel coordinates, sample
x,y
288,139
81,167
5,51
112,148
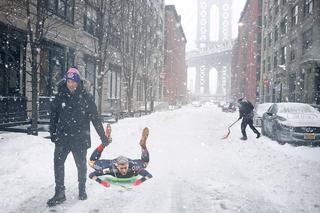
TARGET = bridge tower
x,y
202,85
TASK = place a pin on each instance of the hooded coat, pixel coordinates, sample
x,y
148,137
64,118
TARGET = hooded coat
x,y
246,109
70,118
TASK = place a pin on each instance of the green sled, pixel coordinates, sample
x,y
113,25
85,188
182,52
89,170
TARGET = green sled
x,y
112,179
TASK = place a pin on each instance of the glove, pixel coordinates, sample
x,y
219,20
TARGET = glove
x,y
53,137
137,182
105,184
104,142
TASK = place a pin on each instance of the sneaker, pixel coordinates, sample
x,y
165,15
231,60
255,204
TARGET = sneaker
x,y
145,134
258,135
243,138
59,197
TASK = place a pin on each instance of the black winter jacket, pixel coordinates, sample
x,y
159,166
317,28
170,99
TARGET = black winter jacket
x,y
246,109
70,118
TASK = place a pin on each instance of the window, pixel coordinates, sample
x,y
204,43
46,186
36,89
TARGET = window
x,y
70,57
259,23
293,49
276,33
114,38
270,39
265,21
90,20
292,87
259,38
308,7
275,60
12,58
269,63
270,15
294,15
276,6
307,40
90,74
283,55
258,59
260,5
114,76
51,67
62,8
139,95
283,25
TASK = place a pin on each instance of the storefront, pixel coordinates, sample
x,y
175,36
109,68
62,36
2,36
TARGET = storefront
x,y
12,75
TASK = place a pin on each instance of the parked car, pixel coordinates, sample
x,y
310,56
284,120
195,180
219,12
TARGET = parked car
x,y
229,107
259,109
295,123
196,103
316,106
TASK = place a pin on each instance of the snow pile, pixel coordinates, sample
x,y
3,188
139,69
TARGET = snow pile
x,y
193,169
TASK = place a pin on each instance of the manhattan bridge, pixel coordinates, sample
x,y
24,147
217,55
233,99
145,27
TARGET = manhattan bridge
x,y
213,54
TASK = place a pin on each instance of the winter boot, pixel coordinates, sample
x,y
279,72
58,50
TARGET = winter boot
x,y
59,197
145,134
244,138
258,135
82,192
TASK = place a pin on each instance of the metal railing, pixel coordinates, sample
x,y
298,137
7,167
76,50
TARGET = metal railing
x,y
13,110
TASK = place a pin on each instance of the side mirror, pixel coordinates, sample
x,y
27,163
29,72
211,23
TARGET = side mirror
x,y
270,114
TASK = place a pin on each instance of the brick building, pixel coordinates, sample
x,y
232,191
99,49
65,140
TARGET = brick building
x,y
245,65
175,78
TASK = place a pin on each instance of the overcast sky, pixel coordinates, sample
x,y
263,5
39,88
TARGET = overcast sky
x,y
188,11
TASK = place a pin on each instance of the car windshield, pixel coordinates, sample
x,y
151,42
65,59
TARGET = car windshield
x,y
295,109
261,108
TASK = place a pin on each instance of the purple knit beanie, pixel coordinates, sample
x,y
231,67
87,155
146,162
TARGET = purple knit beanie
x,y
73,74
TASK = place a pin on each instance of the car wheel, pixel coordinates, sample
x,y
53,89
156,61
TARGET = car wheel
x,y
273,134
263,130
277,137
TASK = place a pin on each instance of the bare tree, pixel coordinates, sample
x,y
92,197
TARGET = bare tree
x,y
149,51
152,55
34,17
131,28
35,14
107,11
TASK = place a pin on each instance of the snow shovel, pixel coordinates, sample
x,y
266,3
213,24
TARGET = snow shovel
x,y
227,135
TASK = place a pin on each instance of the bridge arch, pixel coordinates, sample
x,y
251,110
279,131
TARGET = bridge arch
x,y
213,53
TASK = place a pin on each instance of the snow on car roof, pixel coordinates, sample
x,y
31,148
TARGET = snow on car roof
x,y
295,108
263,107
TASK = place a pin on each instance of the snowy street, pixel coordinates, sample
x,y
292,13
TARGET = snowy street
x,y
193,169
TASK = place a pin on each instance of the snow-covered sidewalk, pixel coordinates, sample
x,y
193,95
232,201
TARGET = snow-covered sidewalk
x,y
193,169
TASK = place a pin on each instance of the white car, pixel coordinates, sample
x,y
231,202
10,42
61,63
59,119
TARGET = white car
x,y
258,113
196,103
296,123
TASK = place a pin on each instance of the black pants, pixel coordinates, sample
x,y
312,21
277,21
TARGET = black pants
x,y
60,156
244,123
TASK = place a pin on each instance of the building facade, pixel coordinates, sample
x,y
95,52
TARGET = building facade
x,y
175,72
290,51
70,38
245,66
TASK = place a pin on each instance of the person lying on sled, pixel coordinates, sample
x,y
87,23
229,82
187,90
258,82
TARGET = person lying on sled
x,y
121,167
